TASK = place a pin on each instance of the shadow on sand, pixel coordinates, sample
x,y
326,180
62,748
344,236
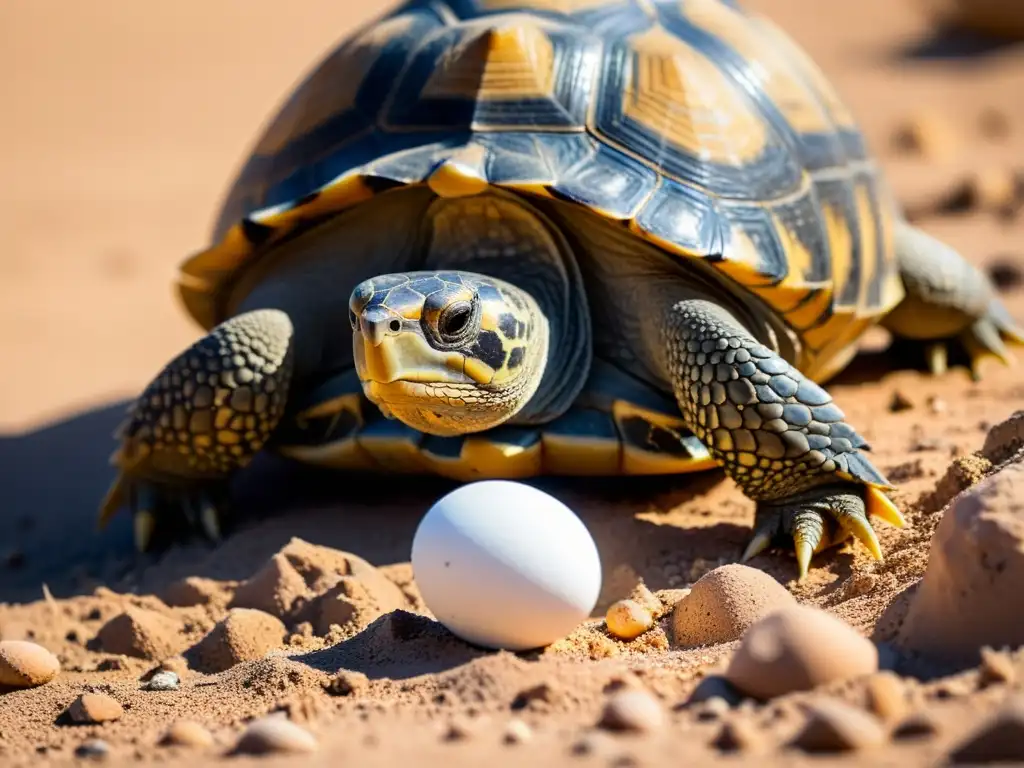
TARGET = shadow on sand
x,y
947,43
53,478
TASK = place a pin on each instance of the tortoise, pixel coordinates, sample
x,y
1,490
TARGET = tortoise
x,y
511,238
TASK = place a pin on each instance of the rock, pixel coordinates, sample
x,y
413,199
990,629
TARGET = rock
x,y
628,619
162,681
975,569
886,696
275,589
715,687
275,733
996,667
24,664
632,709
799,648
724,603
187,733
1000,738
835,726
93,749
95,708
517,732
143,634
245,634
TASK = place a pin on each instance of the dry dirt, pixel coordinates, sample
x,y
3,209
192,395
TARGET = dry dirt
x,y
122,124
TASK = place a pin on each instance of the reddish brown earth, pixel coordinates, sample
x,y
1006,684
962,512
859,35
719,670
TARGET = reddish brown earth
x,y
123,122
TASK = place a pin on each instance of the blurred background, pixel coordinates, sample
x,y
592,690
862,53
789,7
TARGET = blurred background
x,y
123,123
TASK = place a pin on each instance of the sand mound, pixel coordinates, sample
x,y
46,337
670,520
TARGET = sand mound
x,y
968,596
724,603
142,633
244,635
274,589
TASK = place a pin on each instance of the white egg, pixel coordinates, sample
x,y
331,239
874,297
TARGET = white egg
x,y
504,565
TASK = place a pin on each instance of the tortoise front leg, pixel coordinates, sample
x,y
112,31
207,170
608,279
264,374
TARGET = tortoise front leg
x,y
778,435
205,416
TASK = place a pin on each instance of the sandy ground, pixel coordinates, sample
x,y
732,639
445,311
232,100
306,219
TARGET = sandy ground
x,y
122,125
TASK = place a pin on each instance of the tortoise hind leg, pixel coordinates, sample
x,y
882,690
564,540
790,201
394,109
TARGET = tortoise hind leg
x,y
205,416
948,302
777,434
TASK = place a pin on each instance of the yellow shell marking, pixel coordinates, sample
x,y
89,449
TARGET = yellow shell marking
x,y
507,61
775,73
481,457
639,462
677,93
461,174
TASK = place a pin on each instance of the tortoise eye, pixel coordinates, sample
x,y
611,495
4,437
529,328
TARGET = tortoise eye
x,y
454,321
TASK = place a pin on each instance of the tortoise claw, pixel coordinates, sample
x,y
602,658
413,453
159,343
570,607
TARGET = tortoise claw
x,y
818,519
154,507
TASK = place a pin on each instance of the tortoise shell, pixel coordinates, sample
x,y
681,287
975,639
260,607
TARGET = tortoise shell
x,y
697,126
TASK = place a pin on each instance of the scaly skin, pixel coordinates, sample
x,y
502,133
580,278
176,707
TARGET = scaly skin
x,y
948,302
777,434
201,419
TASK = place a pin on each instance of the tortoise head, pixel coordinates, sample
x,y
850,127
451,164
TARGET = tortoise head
x,y
447,353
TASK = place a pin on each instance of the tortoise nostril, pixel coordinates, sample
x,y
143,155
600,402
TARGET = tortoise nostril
x,y
395,325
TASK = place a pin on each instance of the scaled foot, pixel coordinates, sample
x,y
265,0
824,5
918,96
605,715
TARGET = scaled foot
x,y
950,305
200,420
777,434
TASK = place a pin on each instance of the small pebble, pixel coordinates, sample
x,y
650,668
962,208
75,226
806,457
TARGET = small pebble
x,y
1005,272
715,687
274,733
916,726
999,738
996,667
900,402
835,726
799,648
887,696
641,594
713,708
187,733
26,665
738,736
93,749
163,681
517,732
632,709
627,619
95,708
937,405
928,135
